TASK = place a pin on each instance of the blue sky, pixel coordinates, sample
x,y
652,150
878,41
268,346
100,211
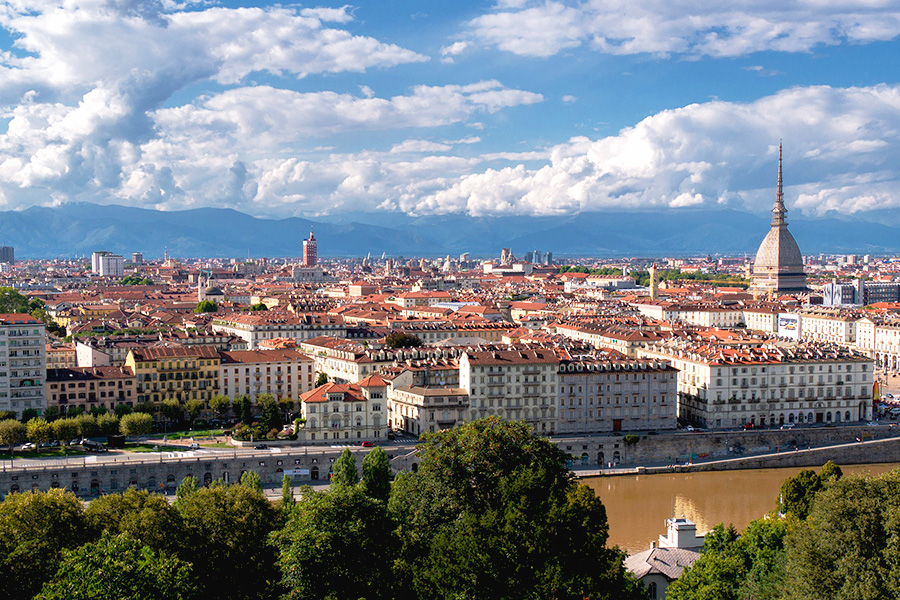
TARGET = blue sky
x,y
484,108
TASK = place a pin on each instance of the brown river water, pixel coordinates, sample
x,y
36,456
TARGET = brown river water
x,y
637,506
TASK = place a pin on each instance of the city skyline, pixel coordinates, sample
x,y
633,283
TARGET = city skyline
x,y
507,108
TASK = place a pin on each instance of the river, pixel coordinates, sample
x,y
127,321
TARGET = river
x,y
637,506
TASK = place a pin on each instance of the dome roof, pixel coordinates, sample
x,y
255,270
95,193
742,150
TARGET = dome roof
x,y
778,250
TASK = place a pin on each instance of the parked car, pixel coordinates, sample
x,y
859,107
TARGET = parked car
x,y
28,446
261,447
788,426
194,446
368,444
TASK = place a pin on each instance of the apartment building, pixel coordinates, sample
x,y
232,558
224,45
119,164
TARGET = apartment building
x,y
518,385
23,363
416,409
269,325
612,393
345,412
190,373
722,386
90,387
284,373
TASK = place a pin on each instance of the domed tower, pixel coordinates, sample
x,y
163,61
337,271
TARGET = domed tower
x,y
779,265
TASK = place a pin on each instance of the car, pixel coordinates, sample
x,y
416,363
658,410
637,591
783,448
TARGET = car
x,y
28,446
689,428
194,446
74,442
787,426
368,444
261,447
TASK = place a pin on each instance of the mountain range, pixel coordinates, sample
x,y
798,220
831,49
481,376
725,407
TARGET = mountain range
x,y
77,229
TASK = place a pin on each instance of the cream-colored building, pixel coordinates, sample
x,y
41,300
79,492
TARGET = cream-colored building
x,y
416,410
345,412
721,386
613,393
515,385
285,373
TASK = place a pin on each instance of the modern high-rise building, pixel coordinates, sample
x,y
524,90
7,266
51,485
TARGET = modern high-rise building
x,y
137,258
779,265
111,265
7,255
95,260
310,255
23,352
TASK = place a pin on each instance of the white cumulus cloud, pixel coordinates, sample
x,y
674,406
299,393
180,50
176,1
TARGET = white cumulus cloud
x,y
663,27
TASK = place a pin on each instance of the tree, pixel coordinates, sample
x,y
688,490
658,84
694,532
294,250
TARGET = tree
x,y
108,424
398,339
286,406
51,413
136,424
122,409
830,473
145,407
193,407
11,301
35,527
220,404
28,414
147,517
749,567
251,480
344,471
258,307
118,566
270,416
12,432
328,547
87,426
187,488
798,492
287,495
206,306
493,513
226,529
7,414
321,379
849,546
244,406
171,409
65,429
376,474
38,430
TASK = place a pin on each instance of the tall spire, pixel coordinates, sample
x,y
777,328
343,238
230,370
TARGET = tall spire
x,y
778,211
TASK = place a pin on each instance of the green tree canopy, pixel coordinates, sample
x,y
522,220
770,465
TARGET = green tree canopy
x,y
376,474
797,493
38,430
193,407
328,547
147,517
270,415
12,432
493,513
11,301
35,527
227,529
136,424
849,546
136,280
206,306
398,339
258,307
344,471
65,429
220,404
321,379
117,566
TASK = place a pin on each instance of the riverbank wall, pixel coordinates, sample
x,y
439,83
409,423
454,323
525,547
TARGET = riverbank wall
x,y
610,452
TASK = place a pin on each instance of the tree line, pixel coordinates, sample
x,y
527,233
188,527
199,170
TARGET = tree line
x,y
829,537
492,512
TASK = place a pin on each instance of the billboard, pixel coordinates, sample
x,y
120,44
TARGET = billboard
x,y
789,326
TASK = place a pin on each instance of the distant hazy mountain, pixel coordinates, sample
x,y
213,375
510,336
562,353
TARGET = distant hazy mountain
x,y
79,229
